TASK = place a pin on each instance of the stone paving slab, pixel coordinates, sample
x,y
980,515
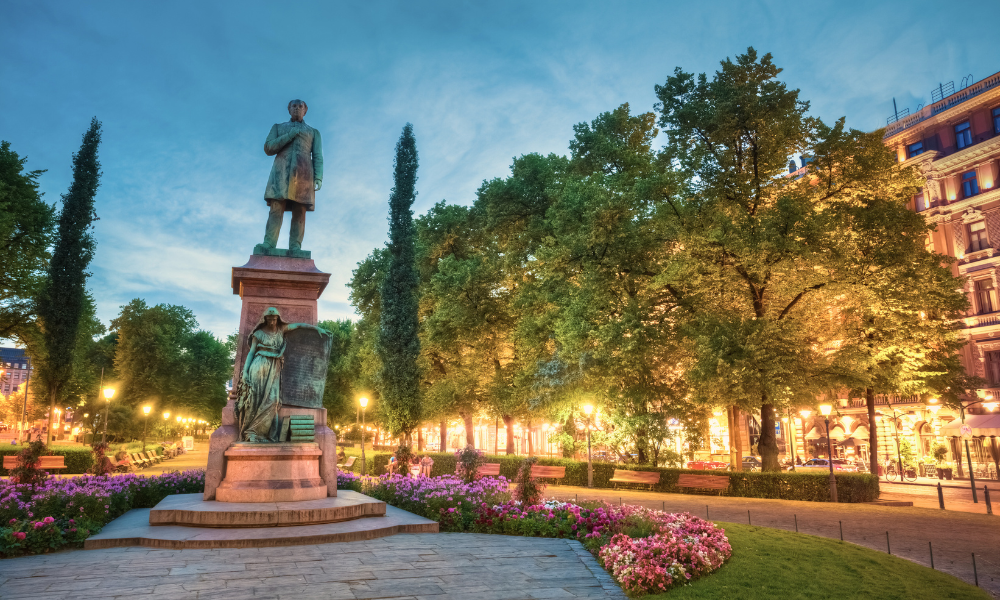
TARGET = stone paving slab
x,y
423,566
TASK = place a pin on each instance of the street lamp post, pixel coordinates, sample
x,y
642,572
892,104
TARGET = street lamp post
x,y
108,394
364,403
826,409
587,409
145,421
166,417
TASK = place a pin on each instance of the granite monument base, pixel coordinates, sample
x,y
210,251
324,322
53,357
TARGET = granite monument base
x,y
281,472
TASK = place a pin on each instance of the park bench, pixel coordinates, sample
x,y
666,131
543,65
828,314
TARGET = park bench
x,y
46,463
349,465
152,456
489,470
547,472
139,461
708,482
624,476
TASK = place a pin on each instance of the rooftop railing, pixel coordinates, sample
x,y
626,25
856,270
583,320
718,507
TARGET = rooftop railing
x,y
942,105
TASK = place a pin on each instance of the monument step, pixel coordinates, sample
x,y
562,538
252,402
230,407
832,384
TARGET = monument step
x,y
191,510
133,529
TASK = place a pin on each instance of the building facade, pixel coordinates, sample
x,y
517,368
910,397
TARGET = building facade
x,y
955,144
15,365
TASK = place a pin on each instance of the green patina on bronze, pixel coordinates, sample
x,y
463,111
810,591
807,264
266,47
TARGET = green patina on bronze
x,y
286,364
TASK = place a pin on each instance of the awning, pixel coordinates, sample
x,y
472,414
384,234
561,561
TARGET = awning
x,y
852,443
981,425
837,433
813,434
861,432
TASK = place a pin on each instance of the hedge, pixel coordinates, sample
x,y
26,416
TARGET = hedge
x,y
812,487
78,459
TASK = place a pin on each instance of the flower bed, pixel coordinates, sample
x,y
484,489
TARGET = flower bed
x,y
645,550
66,511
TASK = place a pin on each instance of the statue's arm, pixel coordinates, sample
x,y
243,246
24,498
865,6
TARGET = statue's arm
x,y
274,142
319,330
317,152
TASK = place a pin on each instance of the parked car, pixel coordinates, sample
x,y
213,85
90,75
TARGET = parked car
x,y
816,465
752,463
707,465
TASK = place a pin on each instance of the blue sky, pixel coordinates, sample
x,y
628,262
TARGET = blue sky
x,y
188,91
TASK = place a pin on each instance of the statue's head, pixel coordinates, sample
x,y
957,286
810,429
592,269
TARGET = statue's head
x,y
297,109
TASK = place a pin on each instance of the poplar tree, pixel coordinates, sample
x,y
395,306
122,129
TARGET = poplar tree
x,y
398,344
62,303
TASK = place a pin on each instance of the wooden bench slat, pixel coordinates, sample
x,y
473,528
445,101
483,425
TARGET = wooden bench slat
x,y
489,469
712,482
547,472
649,478
45,462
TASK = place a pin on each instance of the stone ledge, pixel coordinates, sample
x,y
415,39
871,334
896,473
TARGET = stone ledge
x,y
191,511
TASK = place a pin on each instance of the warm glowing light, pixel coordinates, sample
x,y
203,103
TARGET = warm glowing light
x,y
934,409
846,422
805,413
179,419
587,409
166,415
991,406
825,409
76,431
783,419
147,409
109,393
363,401
932,401
85,415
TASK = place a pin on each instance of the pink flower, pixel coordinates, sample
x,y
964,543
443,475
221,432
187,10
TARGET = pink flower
x,y
19,535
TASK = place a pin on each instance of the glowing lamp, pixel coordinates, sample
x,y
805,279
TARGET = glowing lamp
x,y
587,409
991,406
825,409
147,409
363,401
166,415
109,393
805,413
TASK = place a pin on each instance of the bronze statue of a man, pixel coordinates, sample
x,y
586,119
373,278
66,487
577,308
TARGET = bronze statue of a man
x,y
295,178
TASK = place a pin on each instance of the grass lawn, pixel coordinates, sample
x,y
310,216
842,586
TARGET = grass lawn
x,y
770,564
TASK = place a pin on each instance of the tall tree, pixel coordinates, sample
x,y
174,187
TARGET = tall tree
x,y
26,224
762,261
62,302
398,342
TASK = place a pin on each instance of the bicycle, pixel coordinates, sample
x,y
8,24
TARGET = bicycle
x,y
891,472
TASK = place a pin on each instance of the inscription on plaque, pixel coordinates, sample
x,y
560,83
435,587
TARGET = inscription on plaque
x,y
303,377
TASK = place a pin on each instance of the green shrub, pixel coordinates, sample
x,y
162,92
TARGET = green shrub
x,y
78,459
812,487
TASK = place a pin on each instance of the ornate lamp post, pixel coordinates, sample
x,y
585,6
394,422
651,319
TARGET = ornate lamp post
x,y
364,403
108,394
145,421
826,409
587,410
166,416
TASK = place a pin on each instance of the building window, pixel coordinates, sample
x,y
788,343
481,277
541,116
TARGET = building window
x,y
984,295
919,204
970,185
996,120
963,135
977,237
993,367
914,149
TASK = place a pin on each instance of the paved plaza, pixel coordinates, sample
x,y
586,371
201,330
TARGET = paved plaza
x,y
437,566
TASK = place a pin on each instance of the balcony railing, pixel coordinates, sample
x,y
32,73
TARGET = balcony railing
x,y
982,320
942,105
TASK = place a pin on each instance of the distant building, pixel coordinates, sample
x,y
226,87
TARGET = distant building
x,y
14,362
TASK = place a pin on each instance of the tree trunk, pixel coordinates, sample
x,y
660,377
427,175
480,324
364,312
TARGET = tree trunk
x,y
53,392
641,436
872,432
508,422
420,439
768,443
470,430
570,430
735,439
531,446
443,447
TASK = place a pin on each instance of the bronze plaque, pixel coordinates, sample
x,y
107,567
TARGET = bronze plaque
x,y
303,377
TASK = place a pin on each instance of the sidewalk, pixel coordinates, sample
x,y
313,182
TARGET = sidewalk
x,y
954,535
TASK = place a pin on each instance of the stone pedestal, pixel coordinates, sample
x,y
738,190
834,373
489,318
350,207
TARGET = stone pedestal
x,y
292,285
272,473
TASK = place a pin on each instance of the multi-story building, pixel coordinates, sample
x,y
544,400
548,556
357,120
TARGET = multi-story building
x,y
15,366
955,144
